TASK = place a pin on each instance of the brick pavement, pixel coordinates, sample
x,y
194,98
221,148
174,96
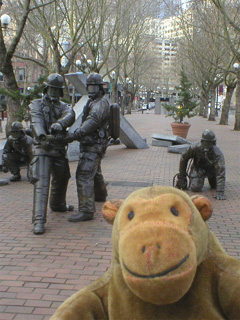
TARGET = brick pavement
x,y
38,272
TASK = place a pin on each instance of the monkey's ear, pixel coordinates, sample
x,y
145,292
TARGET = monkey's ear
x,y
110,209
203,205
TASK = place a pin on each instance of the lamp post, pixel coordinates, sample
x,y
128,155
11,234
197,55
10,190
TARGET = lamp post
x,y
114,87
216,79
236,67
129,96
127,82
124,101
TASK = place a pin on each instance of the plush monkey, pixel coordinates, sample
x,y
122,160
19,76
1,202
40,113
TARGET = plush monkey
x,y
166,264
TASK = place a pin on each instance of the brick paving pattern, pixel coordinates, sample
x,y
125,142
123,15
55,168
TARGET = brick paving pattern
x,y
37,273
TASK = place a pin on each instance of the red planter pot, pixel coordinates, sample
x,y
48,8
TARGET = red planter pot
x,y
180,129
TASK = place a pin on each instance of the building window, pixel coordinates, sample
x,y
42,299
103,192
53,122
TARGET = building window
x,y
21,74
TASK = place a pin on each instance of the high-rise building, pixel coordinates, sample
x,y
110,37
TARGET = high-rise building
x,y
185,4
168,8
166,34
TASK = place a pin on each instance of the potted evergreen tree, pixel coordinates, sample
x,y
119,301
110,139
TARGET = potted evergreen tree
x,y
184,107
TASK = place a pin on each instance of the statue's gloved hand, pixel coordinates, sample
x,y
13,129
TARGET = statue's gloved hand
x,y
4,169
78,134
70,137
220,196
55,138
181,182
63,139
56,128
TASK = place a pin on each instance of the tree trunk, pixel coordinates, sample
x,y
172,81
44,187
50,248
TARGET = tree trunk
x,y
202,105
114,91
226,105
62,71
130,104
13,103
237,112
129,107
205,105
123,104
212,109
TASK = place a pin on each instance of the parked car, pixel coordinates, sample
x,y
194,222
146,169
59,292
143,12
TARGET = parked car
x,y
151,105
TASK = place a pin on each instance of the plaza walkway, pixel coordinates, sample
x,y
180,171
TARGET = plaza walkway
x,y
37,273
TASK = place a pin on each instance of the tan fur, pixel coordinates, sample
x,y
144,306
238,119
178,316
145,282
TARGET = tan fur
x,y
166,264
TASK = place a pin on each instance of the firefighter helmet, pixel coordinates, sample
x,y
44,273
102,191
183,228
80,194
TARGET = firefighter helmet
x,y
17,130
208,135
16,126
94,78
54,80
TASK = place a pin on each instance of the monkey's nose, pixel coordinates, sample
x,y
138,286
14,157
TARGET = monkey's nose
x,y
152,247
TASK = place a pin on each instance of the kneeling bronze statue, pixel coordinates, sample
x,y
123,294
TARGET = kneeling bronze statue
x,y
207,162
17,151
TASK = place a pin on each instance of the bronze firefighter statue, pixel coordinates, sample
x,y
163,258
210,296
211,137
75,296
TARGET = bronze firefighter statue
x,y
208,162
93,136
50,118
17,151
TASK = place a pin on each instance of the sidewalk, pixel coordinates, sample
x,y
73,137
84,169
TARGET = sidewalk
x,y
37,273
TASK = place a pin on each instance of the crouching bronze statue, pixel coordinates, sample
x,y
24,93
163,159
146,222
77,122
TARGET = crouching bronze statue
x,y
207,162
17,151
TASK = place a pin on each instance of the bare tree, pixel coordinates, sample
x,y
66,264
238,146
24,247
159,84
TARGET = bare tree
x,y
229,11
8,47
208,54
129,46
55,34
90,30
103,35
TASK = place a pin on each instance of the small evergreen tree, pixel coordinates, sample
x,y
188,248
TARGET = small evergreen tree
x,y
25,99
185,105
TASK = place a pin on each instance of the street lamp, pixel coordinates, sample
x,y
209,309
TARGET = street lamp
x,y
236,66
78,63
81,65
5,20
113,74
89,62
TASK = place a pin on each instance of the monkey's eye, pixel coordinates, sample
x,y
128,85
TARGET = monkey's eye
x,y
174,212
130,215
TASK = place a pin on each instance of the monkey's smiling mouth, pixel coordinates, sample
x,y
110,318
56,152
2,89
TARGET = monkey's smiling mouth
x,y
156,275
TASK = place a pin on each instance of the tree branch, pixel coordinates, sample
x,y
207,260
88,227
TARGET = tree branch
x,y
41,5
